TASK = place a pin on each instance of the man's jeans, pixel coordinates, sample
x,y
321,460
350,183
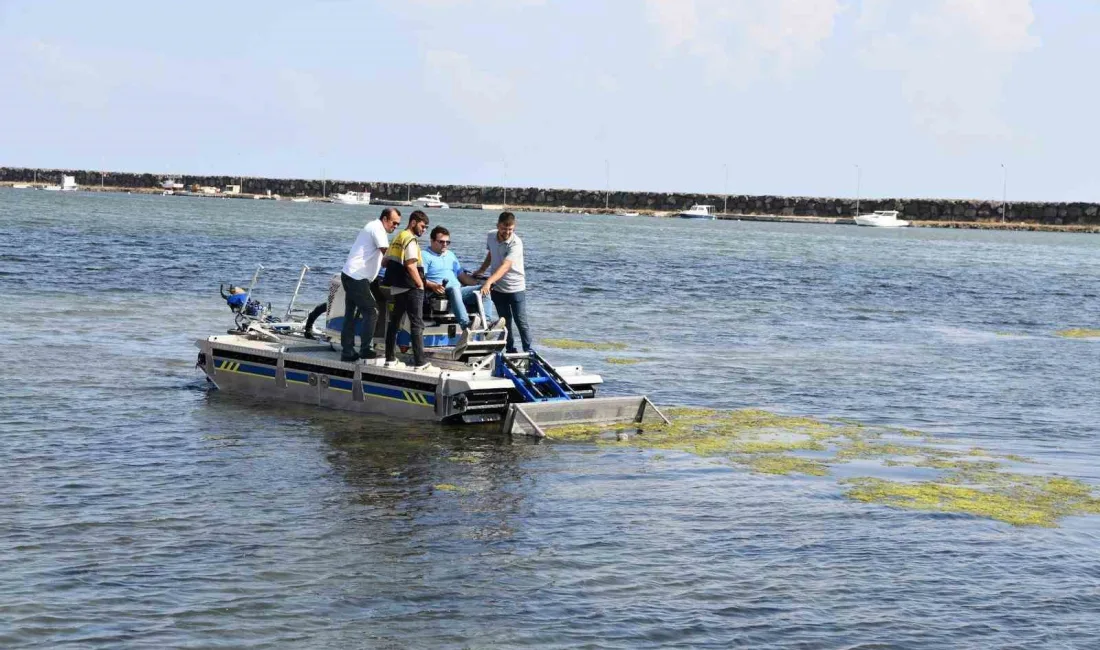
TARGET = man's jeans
x,y
460,298
357,297
513,307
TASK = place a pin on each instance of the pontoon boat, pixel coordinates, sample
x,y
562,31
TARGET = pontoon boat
x,y
471,378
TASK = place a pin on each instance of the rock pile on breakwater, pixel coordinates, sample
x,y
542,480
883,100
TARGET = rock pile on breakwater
x,y
939,210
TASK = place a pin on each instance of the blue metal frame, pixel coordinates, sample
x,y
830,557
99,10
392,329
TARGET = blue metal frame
x,y
536,374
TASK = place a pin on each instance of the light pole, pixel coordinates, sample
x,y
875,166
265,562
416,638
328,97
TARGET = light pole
x,y
858,173
1004,193
607,184
725,187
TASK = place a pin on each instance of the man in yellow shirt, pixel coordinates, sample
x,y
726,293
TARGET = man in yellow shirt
x,y
405,279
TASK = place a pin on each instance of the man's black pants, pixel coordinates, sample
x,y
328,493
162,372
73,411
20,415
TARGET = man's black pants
x,y
409,302
360,300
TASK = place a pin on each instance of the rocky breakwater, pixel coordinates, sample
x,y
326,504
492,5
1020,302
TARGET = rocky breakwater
x,y
929,210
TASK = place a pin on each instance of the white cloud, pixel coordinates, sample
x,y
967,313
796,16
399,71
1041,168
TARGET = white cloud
x,y
953,58
741,40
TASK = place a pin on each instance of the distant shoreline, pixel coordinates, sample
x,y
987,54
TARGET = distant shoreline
x,y
1075,217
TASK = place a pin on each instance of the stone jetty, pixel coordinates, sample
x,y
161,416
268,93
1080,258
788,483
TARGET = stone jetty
x,y
827,209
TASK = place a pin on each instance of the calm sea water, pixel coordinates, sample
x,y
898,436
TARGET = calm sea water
x,y
139,509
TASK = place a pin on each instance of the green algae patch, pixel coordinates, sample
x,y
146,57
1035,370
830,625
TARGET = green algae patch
x,y
1079,333
1016,499
622,361
779,464
447,487
960,479
570,344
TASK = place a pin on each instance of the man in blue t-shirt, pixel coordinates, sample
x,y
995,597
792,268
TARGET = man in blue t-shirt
x,y
444,275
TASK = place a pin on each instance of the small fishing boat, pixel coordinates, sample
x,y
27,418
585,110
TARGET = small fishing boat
x,y
430,201
881,219
698,211
469,379
301,199
351,198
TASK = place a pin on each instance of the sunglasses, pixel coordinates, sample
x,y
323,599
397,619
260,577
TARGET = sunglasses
x,y
443,242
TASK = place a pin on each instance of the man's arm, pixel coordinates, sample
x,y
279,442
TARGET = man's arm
x,y
466,279
498,274
485,264
414,274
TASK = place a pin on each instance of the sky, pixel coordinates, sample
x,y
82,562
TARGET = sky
x,y
902,98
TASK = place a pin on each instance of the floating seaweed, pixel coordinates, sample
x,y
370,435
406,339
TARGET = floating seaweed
x,y
1017,499
622,361
1079,333
570,344
967,480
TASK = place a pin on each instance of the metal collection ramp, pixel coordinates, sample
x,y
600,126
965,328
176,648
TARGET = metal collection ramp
x,y
532,418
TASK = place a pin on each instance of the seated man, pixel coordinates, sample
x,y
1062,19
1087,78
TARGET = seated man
x,y
444,275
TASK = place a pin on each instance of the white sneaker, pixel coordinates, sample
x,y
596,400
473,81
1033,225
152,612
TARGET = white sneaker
x,y
498,324
426,367
394,364
475,322
464,338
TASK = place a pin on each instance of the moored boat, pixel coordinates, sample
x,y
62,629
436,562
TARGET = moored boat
x,y
431,201
881,219
351,198
698,211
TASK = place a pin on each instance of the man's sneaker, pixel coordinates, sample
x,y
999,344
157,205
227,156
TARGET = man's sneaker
x,y
349,358
475,322
394,363
425,367
368,354
498,324
464,339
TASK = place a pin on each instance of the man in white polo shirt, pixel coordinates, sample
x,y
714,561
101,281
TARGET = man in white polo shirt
x,y
360,281
507,282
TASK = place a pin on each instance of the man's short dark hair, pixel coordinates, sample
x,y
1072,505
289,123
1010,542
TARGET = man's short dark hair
x,y
506,219
439,230
389,212
418,216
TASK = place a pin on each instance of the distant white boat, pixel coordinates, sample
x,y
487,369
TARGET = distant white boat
x,y
430,201
21,186
881,219
68,184
301,199
628,214
52,188
698,211
352,198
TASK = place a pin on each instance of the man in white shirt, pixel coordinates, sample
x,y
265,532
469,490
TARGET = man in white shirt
x,y
362,293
